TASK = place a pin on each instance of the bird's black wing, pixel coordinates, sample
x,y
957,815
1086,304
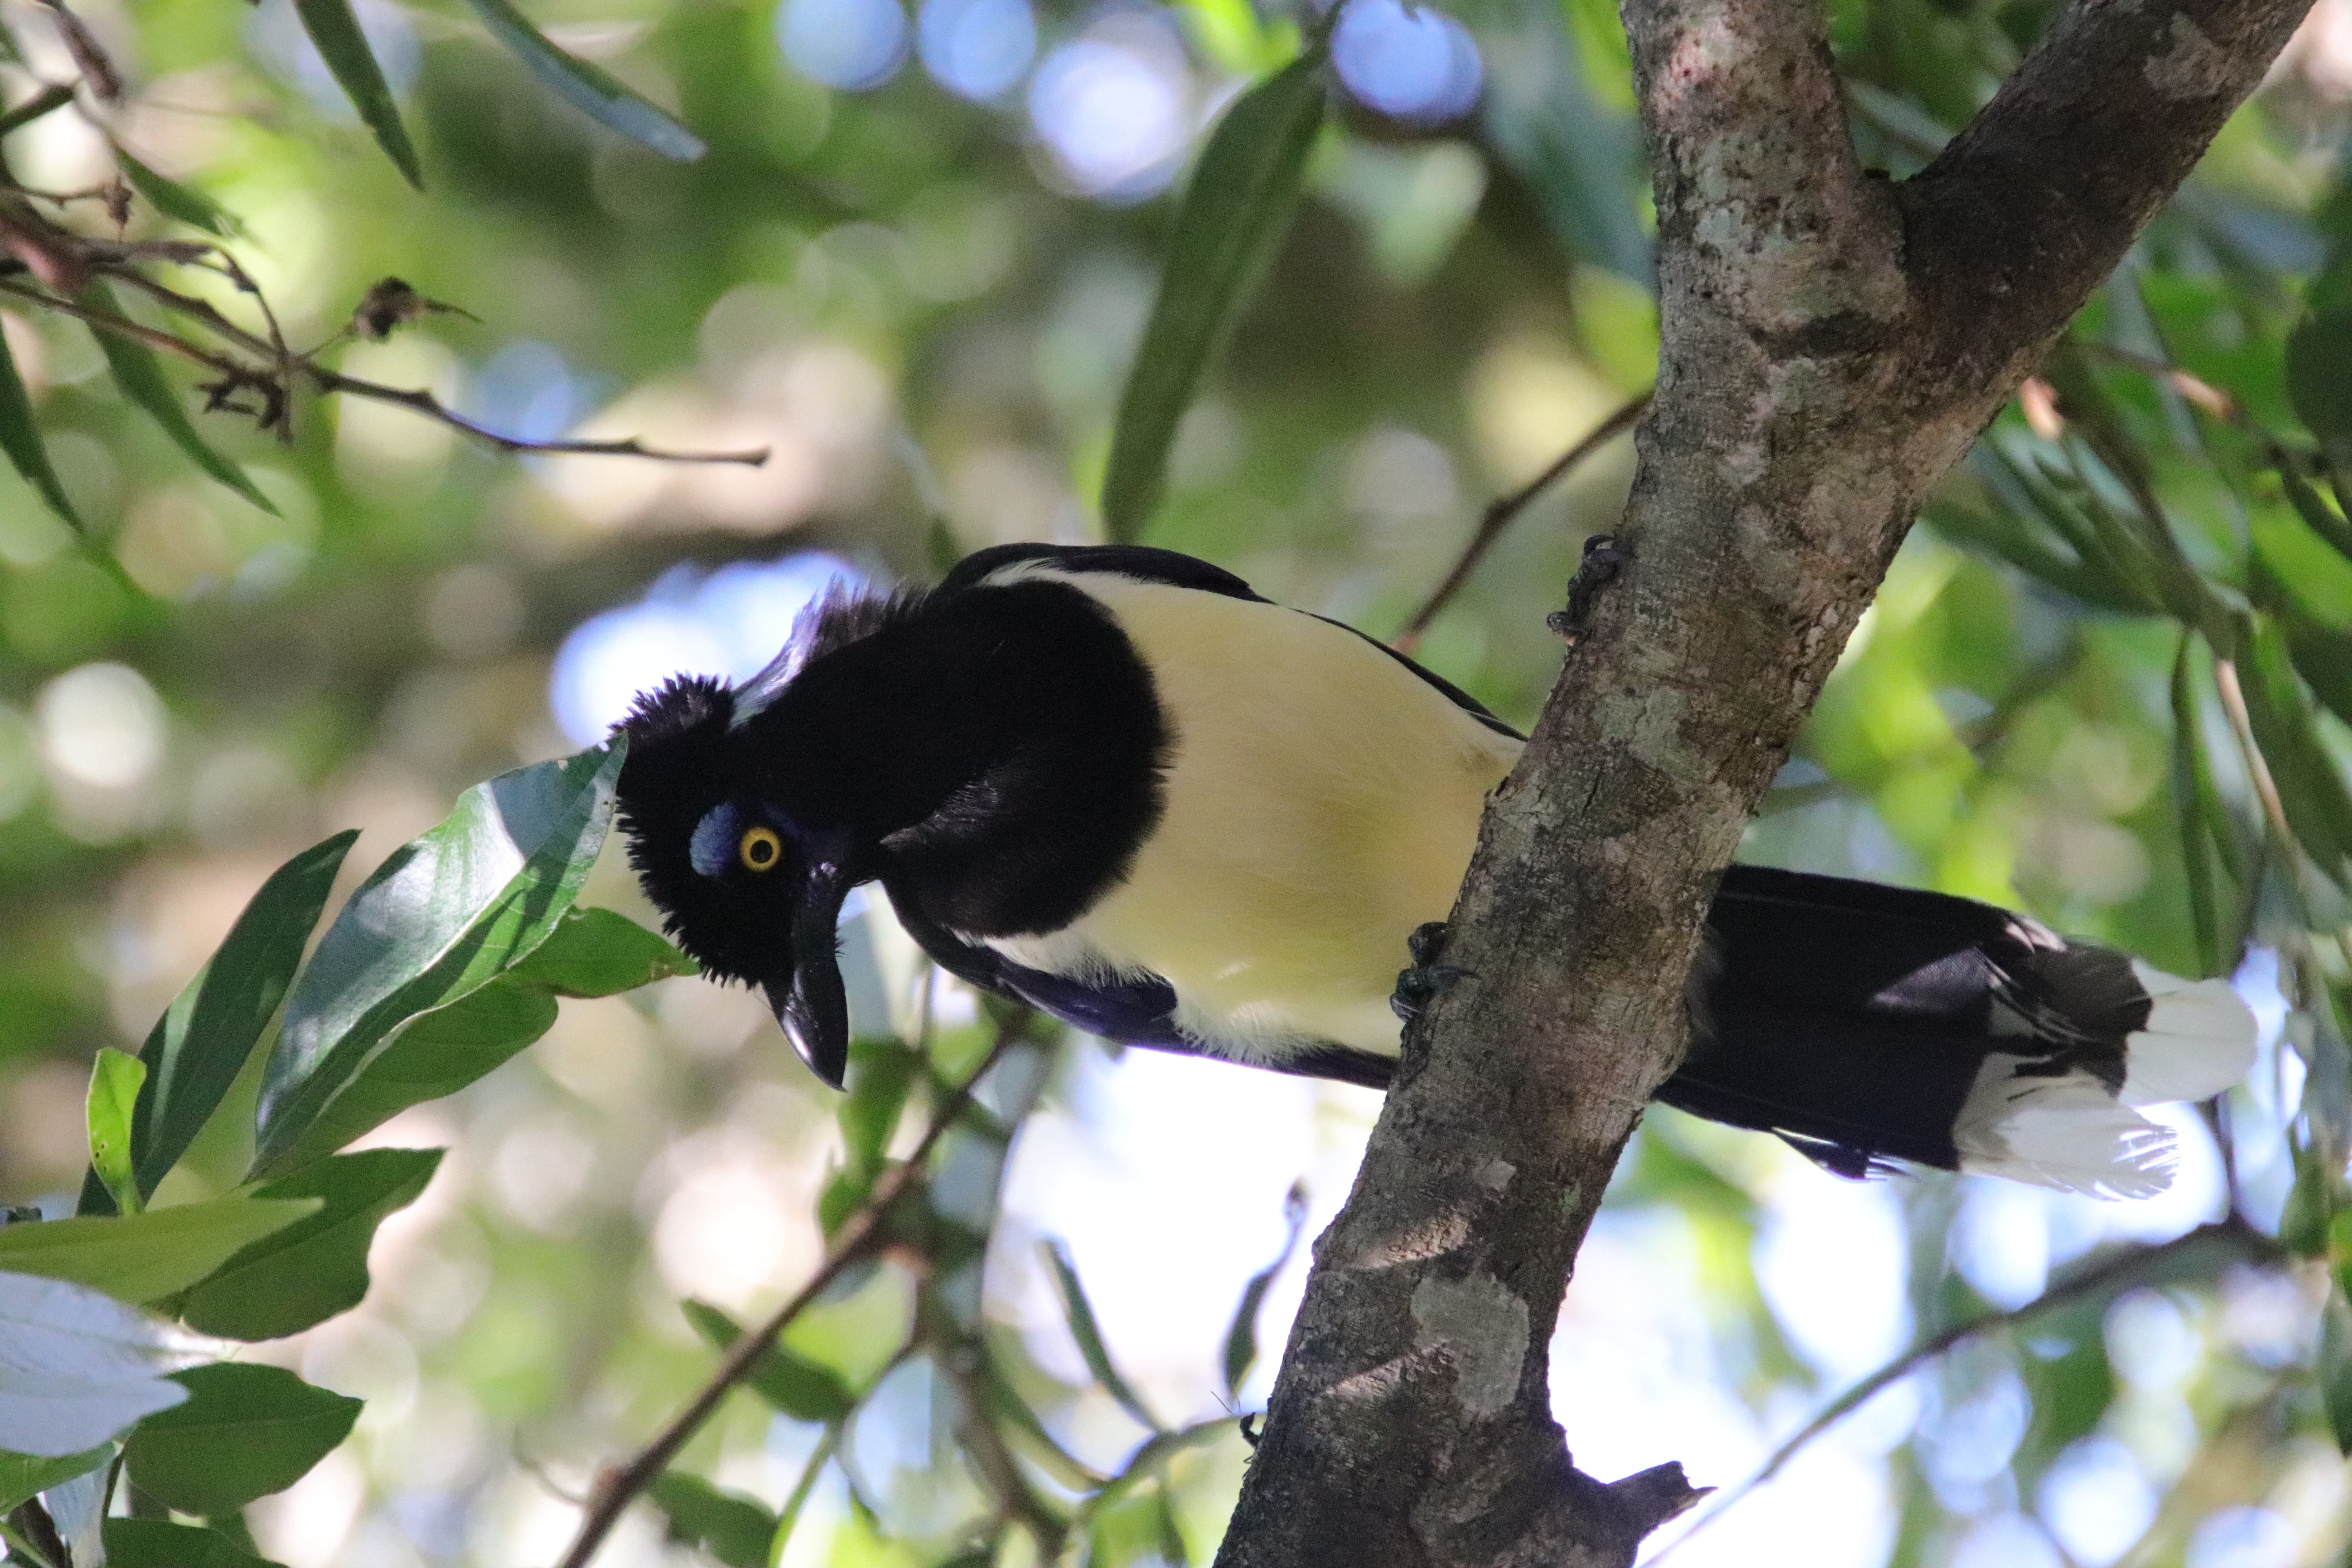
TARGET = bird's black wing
x,y
1146,565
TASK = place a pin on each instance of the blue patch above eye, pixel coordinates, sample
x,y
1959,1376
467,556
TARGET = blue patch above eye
x,y
712,848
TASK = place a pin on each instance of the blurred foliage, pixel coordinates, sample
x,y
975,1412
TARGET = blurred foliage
x,y
2108,681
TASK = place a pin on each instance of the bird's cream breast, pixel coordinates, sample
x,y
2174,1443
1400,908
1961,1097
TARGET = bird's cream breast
x,y
1321,802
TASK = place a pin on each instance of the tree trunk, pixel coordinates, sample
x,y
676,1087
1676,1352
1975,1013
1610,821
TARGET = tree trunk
x,y
1833,344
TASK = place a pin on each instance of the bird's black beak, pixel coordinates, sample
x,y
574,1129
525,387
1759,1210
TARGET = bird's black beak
x,y
812,1006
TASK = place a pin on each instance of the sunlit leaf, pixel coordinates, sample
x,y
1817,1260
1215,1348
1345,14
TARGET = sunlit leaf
x,y
316,1267
145,1257
599,953
445,916
1080,1314
245,1432
114,1082
140,377
593,90
335,30
1234,218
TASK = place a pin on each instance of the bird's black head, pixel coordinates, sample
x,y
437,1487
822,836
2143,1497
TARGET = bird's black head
x,y
750,892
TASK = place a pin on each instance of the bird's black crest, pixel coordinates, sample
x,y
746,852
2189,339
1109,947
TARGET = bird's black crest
x,y
678,748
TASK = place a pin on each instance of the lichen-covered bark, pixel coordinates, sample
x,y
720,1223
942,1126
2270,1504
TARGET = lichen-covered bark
x,y
1833,344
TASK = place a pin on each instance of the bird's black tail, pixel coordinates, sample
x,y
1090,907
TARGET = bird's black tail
x,y
1865,1024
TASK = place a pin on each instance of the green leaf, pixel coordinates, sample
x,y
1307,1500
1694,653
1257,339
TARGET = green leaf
x,y
1581,162
441,919
245,1432
435,1054
24,1476
2319,372
1089,1334
1241,1336
2324,658
336,32
599,952
594,91
159,1543
20,437
2318,806
792,1384
115,1078
200,1044
1233,219
316,1267
2190,773
139,378
2318,515
173,200
730,1526
881,1073
2335,1366
145,1257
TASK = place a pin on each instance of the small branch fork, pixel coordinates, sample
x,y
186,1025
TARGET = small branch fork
x,y
62,265
2200,1251
863,1234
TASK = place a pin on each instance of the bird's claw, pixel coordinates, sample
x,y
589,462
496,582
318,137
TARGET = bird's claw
x,y
1426,977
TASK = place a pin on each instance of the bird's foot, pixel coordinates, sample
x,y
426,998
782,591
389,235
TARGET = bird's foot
x,y
1427,977
1605,555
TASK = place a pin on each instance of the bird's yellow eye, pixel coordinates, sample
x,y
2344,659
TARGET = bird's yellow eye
x,y
760,848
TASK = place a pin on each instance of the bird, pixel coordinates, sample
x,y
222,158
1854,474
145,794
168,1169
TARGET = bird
x,y
1115,783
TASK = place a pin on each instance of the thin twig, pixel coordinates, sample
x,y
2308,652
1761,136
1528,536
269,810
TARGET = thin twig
x,y
424,403
2241,725
861,1234
1500,513
107,321
2117,1273
52,97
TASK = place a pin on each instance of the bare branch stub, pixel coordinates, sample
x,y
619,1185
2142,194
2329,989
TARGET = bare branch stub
x,y
1833,344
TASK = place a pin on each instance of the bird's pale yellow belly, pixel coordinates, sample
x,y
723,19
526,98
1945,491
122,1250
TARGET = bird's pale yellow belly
x,y
1322,801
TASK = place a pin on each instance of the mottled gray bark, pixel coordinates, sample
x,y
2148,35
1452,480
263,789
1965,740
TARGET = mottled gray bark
x,y
1833,344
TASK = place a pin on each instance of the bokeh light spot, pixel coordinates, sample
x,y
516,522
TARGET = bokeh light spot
x,y
1113,107
1415,64
977,47
853,45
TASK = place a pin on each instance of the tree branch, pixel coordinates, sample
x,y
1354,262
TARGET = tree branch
x,y
1832,345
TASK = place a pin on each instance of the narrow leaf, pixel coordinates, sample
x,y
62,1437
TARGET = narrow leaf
x,y
442,917
1234,218
2311,507
317,1267
173,200
2318,806
145,1257
115,1078
591,89
80,1368
139,378
1089,1334
2188,767
340,43
2335,1366
728,1526
1241,1337
799,1387
599,952
20,437
245,1432
202,1042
